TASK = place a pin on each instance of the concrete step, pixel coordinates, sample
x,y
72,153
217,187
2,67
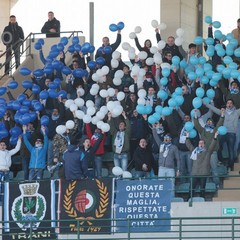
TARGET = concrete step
x,y
233,183
225,199
236,166
230,194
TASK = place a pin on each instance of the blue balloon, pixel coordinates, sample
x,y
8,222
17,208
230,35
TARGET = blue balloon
x,y
100,61
229,36
162,94
179,100
216,76
78,73
202,60
64,41
206,100
120,25
152,119
221,52
198,40
113,27
48,70
200,72
165,72
216,24
36,89
21,97
66,70
56,64
33,116
210,51
38,46
207,67
75,40
37,106
2,90
71,49
26,102
13,140
233,42
209,41
25,119
62,93
53,53
24,71
194,60
220,68
163,81
197,102
2,101
208,19
27,84
175,60
52,93
235,73
41,41
12,84
107,50
38,73
15,131
43,94
140,109
158,109
166,111
17,116
60,46
178,91
148,109
192,133
218,34
226,73
183,64
77,47
44,120
52,85
3,133
222,130
213,83
192,113
92,65
237,52
86,46
91,49
210,93
192,76
200,92
188,126
233,65
10,105
172,102
24,109
227,59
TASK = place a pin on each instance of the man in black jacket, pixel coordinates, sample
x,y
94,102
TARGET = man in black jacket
x,y
12,37
52,26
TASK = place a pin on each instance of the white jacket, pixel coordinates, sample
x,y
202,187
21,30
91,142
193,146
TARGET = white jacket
x,y
5,157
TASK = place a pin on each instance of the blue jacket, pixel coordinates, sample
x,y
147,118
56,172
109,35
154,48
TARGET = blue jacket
x,y
38,156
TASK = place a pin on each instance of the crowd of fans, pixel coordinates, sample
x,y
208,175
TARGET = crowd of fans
x,y
148,115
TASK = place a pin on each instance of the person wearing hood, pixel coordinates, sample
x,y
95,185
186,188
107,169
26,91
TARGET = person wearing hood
x,y
231,123
143,159
51,27
12,37
201,161
38,154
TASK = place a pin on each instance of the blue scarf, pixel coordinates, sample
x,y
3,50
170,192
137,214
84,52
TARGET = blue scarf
x,y
209,127
234,90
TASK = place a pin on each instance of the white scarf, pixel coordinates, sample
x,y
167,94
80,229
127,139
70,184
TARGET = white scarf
x,y
183,136
164,148
195,152
119,141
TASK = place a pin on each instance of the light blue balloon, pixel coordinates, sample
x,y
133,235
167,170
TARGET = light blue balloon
x,y
179,100
218,46
148,109
202,60
210,51
234,42
227,59
192,76
229,52
220,68
200,92
152,119
209,41
209,74
213,83
197,102
193,60
183,64
140,109
157,116
233,65
229,36
198,40
235,73
226,73
207,67
210,93
237,52
166,111
218,34
204,80
222,130
162,94
200,72
206,100
188,126
208,19
175,60
178,91
192,133
189,69
172,102
192,113
216,76
164,81
165,72
216,24
221,52
158,109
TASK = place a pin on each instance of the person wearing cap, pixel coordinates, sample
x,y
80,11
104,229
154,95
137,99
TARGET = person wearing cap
x,y
5,158
201,161
168,155
38,153
236,32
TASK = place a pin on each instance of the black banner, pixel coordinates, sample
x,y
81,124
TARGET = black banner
x,y
26,207
84,206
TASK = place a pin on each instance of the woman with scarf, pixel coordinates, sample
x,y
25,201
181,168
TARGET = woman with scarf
x,y
201,162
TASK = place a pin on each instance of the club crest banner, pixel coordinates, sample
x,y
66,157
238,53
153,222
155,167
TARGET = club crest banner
x,y
85,202
26,207
146,204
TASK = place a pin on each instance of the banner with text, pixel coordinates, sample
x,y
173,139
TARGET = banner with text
x,y
26,207
146,204
88,201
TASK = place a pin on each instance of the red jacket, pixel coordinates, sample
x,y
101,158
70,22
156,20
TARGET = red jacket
x,y
93,139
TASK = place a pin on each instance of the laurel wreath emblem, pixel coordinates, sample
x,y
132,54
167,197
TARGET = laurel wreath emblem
x,y
101,209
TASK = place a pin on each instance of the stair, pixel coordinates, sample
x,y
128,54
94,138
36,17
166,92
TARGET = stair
x,y
231,186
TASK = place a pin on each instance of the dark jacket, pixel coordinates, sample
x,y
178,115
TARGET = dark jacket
x,y
16,31
142,156
55,24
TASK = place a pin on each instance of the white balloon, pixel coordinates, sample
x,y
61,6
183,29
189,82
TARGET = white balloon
x,y
70,124
89,103
120,96
131,55
135,69
117,111
179,32
117,171
132,35
162,26
132,49
142,72
104,110
91,111
178,41
131,88
116,55
79,102
111,92
114,63
100,115
137,29
87,119
126,46
105,127
161,44
103,93
142,93
99,124
141,101
105,70
95,120
157,58
61,129
126,174
95,77
68,103
79,114
73,107
119,74
96,86
154,23
165,65
93,91
80,91
149,61
142,55
117,81
99,72
110,105
153,50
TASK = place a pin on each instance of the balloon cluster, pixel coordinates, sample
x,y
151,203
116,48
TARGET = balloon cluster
x,y
115,27
117,171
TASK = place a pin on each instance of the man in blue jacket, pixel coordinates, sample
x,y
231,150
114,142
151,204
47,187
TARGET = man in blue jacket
x,y
38,155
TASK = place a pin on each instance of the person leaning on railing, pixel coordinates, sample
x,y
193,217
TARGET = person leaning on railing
x,y
52,26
